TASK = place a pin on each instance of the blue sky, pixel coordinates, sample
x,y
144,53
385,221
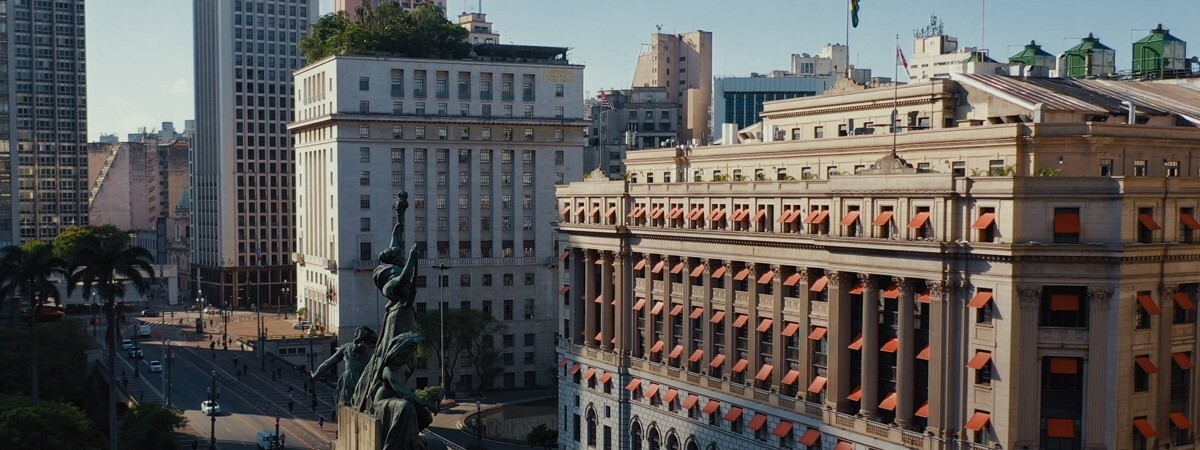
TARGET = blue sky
x,y
140,53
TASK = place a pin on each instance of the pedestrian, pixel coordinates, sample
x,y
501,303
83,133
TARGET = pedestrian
x,y
245,368
321,422
291,390
195,445
279,371
314,405
333,415
291,404
306,386
235,360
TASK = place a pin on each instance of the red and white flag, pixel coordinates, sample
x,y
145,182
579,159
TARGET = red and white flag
x,y
901,61
604,103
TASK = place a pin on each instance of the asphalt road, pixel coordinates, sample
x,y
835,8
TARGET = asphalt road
x,y
246,407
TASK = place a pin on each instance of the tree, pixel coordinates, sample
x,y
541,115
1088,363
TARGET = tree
x,y
421,33
102,261
47,425
67,342
149,427
542,436
28,270
465,331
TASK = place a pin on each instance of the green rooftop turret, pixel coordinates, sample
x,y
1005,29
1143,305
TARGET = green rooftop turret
x,y
1160,55
1089,58
1032,55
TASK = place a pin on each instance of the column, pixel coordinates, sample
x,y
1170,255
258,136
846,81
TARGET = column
x,y
684,317
578,307
870,348
1027,367
730,352
839,384
905,356
777,332
804,344
606,294
588,299
1097,398
937,369
753,345
705,325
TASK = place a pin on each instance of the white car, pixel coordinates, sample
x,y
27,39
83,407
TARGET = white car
x,y
211,310
155,367
126,344
301,325
210,407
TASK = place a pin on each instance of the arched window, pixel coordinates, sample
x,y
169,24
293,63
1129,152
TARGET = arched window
x,y
653,439
672,442
591,427
635,435
712,446
692,445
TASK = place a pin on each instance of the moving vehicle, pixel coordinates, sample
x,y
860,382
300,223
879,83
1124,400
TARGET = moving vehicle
x,y
143,330
211,310
156,367
135,352
150,313
301,325
45,315
210,407
126,344
268,441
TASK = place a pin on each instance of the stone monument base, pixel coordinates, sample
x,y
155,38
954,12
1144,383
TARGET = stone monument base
x,y
362,431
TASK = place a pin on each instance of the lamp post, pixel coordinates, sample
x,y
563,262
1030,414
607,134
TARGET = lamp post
x,y
285,290
442,328
261,348
166,364
213,394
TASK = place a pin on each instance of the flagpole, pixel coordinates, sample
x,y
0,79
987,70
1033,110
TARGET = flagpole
x,y
849,5
895,96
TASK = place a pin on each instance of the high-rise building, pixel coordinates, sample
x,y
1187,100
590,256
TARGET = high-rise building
x,y
629,119
1011,267
682,63
242,166
43,128
479,145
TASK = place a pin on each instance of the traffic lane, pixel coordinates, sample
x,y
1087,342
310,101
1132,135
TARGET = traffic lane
x,y
243,414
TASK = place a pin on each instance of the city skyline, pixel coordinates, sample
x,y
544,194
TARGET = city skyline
x,y
120,102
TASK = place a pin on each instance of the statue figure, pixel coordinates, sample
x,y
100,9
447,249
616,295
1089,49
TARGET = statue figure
x,y
395,405
355,355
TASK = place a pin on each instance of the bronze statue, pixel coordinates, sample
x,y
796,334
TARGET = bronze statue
x,y
355,355
398,407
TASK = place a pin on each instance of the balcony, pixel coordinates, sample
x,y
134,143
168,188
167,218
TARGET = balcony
x,y
659,287
766,302
639,286
677,290
741,298
697,294
791,304
820,310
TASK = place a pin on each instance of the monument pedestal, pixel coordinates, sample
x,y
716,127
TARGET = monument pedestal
x,y
358,430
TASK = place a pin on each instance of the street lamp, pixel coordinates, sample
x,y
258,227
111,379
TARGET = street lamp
x,y
284,298
167,368
262,329
442,328
213,394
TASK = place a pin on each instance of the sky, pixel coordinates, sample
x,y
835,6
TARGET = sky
x,y
140,52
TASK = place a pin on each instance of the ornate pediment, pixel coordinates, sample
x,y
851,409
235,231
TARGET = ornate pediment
x,y
890,164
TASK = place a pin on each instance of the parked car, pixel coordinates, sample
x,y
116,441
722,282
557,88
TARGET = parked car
x,y
126,344
210,407
150,313
135,352
45,315
155,367
301,325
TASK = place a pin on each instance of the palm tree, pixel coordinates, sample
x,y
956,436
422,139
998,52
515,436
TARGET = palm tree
x,y
27,271
103,264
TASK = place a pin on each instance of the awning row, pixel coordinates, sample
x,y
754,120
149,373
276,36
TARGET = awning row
x,y
588,374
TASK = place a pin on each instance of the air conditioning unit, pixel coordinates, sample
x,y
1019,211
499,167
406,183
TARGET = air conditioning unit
x,y
331,265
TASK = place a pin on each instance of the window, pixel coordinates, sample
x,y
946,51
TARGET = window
x,y
996,168
985,225
558,90
982,363
487,281
364,201
508,279
1139,168
364,154
958,168
1172,168
364,84
529,278
508,308
1188,225
364,224
1142,368
364,251
364,106
1066,225
364,178
364,131
818,132
1106,167
1183,305
1146,225
984,312
1064,307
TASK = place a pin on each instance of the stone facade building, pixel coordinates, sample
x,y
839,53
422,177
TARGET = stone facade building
x,y
1014,267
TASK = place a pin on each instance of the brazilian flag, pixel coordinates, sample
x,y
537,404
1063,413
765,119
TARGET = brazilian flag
x,y
854,13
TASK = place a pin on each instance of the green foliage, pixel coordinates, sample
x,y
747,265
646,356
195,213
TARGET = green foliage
x,y
150,427
542,436
66,342
70,239
46,426
465,331
29,270
431,394
302,313
760,177
808,176
789,178
102,261
1047,172
720,177
386,29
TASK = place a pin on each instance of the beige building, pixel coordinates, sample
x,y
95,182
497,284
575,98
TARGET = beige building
x,y
682,63
1016,268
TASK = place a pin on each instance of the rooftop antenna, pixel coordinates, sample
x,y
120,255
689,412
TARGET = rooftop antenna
x,y
659,27
480,7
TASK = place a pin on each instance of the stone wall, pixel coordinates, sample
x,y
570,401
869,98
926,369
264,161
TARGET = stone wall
x,y
357,431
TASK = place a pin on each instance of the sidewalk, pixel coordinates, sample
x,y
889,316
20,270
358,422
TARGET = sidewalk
x,y
451,423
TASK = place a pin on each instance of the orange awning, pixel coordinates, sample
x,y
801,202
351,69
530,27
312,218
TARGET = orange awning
x,y
924,297
604,378
696,355
858,288
812,216
658,267
924,353
740,321
818,383
810,437
978,421
1064,302
783,429
1064,366
717,361
766,277
1183,360
696,312
696,213
857,343
717,317
764,372
784,215
890,346
594,210
1181,421
741,275
690,401
656,212
817,333
984,221
566,209
564,362
1148,222
589,373
565,254
849,218
670,395
720,272
676,309
1143,426
790,377
792,280
980,360
919,220
889,402
634,384
923,411
856,394
640,264
843,445
675,352
658,346
612,211
600,336
790,329
658,307
759,215
764,325
651,390
980,299
1066,223
883,218
821,217
697,271
575,369
717,215
677,268
733,414
1146,364
757,422
600,298
1060,428
794,216
1190,221
892,292
564,290
1184,300
712,406
819,285
740,366
641,303
674,213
